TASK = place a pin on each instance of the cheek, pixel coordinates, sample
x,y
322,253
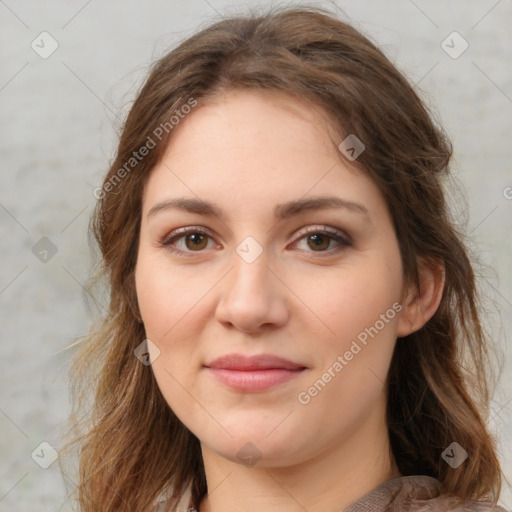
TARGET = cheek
x,y
348,382
168,299
359,310
342,303
169,305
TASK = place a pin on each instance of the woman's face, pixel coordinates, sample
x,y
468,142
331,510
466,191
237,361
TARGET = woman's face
x,y
276,270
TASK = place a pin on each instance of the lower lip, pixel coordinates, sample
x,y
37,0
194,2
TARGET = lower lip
x,y
254,380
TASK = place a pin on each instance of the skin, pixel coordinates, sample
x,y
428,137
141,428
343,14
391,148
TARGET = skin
x,y
247,152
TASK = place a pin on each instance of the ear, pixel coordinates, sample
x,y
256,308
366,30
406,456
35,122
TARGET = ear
x,y
419,305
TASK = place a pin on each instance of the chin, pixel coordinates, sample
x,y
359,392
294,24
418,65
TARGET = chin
x,y
256,440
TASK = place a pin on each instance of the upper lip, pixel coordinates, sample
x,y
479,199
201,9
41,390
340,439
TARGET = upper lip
x,y
257,362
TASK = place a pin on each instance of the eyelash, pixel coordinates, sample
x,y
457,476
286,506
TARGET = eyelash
x,y
332,233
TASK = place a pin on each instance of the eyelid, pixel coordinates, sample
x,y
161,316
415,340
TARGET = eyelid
x,y
324,229
177,233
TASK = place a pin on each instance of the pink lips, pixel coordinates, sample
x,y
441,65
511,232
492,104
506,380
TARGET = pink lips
x,y
256,373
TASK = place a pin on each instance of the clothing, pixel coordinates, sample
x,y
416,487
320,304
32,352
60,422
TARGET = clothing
x,y
417,493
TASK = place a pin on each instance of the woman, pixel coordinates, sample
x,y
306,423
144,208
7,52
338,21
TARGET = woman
x,y
290,305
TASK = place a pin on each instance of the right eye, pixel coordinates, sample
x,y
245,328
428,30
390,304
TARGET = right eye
x,y
191,239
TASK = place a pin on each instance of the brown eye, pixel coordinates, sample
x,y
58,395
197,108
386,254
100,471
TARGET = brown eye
x,y
319,241
196,241
323,239
187,241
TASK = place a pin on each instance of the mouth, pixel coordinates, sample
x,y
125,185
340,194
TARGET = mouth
x,y
255,373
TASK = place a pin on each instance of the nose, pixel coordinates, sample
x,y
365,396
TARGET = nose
x,y
253,298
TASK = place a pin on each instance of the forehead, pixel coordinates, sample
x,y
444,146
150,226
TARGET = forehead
x,y
246,147
241,119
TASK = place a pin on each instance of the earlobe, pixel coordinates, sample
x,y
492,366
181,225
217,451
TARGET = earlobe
x,y
420,305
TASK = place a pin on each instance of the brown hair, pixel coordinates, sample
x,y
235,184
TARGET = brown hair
x,y
132,446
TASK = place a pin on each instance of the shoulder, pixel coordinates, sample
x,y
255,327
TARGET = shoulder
x,y
417,493
449,504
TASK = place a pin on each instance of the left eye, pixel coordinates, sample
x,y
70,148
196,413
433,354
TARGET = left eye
x,y
319,242
196,240
319,238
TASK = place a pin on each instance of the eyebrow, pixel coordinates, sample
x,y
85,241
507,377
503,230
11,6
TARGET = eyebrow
x,y
281,211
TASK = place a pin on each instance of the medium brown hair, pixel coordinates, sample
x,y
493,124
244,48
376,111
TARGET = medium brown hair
x,y
132,446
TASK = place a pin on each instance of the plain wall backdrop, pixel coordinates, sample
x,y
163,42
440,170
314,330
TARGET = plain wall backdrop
x,y
62,94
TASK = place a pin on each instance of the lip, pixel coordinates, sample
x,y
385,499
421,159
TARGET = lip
x,y
257,362
253,373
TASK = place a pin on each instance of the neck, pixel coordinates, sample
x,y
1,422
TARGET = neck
x,y
331,480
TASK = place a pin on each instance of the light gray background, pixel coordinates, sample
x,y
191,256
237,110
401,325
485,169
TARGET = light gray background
x,y
58,116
